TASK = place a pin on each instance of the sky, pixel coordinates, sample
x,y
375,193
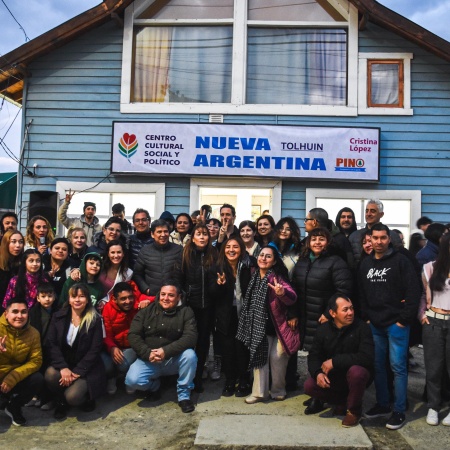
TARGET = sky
x,y
38,16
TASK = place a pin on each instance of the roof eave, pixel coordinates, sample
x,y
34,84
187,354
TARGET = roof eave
x,y
390,20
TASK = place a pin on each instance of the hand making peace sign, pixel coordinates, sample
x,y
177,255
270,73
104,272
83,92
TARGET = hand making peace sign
x,y
221,279
277,287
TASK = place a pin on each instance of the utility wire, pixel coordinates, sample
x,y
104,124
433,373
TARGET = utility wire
x,y
20,26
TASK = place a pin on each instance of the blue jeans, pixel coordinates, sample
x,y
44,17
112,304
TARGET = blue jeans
x,y
144,375
395,339
112,369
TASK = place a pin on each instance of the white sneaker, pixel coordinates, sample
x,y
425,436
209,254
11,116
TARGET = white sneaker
x,y
433,417
446,420
111,386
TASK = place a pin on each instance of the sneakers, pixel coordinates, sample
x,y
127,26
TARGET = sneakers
x,y
351,420
217,368
186,406
378,411
111,386
432,417
396,421
32,402
14,411
446,420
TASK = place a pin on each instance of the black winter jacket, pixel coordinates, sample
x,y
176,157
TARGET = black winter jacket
x,y
223,295
175,331
348,346
155,264
389,289
86,360
315,282
195,281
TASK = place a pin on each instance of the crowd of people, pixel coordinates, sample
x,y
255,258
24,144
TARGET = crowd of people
x,y
129,303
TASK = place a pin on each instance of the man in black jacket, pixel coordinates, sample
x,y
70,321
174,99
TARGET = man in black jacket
x,y
340,362
157,261
389,294
163,335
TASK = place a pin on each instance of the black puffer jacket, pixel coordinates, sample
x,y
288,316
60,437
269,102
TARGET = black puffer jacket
x,y
156,263
315,282
195,281
223,295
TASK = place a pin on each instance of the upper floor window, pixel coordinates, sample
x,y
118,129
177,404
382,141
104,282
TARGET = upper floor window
x,y
384,83
239,56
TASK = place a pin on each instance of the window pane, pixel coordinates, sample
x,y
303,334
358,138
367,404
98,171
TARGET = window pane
x,y
183,64
135,201
190,9
384,84
303,10
297,66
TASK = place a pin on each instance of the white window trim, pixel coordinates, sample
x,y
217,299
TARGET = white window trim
x,y
254,183
363,109
347,10
414,196
159,189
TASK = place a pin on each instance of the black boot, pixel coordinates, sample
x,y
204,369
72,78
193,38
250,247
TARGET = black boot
x,y
61,410
315,407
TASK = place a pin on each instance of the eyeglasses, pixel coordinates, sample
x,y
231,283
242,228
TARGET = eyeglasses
x,y
306,219
113,230
140,220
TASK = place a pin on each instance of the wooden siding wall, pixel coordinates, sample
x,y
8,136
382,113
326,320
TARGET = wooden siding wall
x,y
74,92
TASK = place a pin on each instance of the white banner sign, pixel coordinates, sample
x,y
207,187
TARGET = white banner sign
x,y
246,150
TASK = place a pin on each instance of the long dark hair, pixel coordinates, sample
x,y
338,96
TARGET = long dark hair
x,y
441,267
259,239
291,244
222,262
190,248
107,264
279,269
21,285
189,218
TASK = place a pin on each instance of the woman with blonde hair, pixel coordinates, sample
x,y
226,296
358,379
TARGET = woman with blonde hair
x,y
76,374
39,234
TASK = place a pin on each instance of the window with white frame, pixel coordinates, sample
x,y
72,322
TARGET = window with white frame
x,y
149,196
384,83
239,56
401,208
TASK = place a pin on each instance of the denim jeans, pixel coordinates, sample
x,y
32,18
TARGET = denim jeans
x,y
144,375
113,369
395,339
436,351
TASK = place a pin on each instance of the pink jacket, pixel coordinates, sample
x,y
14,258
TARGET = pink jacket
x,y
290,339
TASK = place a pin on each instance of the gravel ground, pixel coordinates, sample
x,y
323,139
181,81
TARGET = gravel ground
x,y
126,422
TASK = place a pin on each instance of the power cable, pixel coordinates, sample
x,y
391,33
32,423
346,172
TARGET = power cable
x,y
20,26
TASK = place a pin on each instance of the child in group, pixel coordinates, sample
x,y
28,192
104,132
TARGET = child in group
x,y
40,316
25,283
88,273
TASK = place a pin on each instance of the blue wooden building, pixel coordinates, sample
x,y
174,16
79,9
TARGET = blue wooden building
x,y
340,65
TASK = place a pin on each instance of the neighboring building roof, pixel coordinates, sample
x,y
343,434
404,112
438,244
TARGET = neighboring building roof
x,y
8,190
13,66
